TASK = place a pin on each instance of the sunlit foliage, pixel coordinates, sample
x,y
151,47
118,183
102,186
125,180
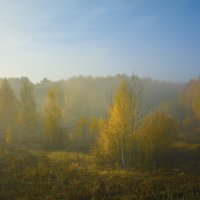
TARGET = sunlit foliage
x,y
117,138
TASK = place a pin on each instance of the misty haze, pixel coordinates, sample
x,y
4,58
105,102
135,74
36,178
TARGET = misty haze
x,y
99,100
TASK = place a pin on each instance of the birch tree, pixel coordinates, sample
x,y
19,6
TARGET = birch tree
x,y
53,122
118,135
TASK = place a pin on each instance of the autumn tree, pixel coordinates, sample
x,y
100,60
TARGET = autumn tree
x,y
191,102
86,133
94,129
9,136
53,122
192,96
28,116
155,137
117,141
80,135
8,108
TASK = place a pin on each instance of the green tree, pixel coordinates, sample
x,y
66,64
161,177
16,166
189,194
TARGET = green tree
x,y
94,129
80,137
8,108
192,96
9,136
155,137
28,115
53,130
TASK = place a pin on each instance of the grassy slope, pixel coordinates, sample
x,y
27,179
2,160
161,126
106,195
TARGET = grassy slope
x,y
26,175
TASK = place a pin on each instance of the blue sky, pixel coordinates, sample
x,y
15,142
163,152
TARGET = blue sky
x,y
62,38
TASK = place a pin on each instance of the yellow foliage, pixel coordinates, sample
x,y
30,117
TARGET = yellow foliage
x,y
116,140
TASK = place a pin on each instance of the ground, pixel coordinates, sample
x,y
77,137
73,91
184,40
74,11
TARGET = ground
x,y
39,175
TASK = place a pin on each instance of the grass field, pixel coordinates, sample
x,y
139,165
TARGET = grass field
x,y
27,175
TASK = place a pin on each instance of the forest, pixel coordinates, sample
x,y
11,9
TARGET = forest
x,y
115,137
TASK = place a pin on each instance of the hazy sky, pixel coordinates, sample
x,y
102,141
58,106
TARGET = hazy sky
x,y
61,38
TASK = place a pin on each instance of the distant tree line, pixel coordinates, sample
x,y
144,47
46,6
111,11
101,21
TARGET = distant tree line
x,y
123,121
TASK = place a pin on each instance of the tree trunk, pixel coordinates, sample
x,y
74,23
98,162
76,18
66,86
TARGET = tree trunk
x,y
122,155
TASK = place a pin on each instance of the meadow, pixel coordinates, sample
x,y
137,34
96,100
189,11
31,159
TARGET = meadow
x,y
40,175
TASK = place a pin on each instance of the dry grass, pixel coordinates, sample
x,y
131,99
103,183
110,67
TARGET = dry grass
x,y
26,175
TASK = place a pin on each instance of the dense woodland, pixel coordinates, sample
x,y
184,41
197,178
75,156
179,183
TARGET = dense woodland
x,y
50,129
